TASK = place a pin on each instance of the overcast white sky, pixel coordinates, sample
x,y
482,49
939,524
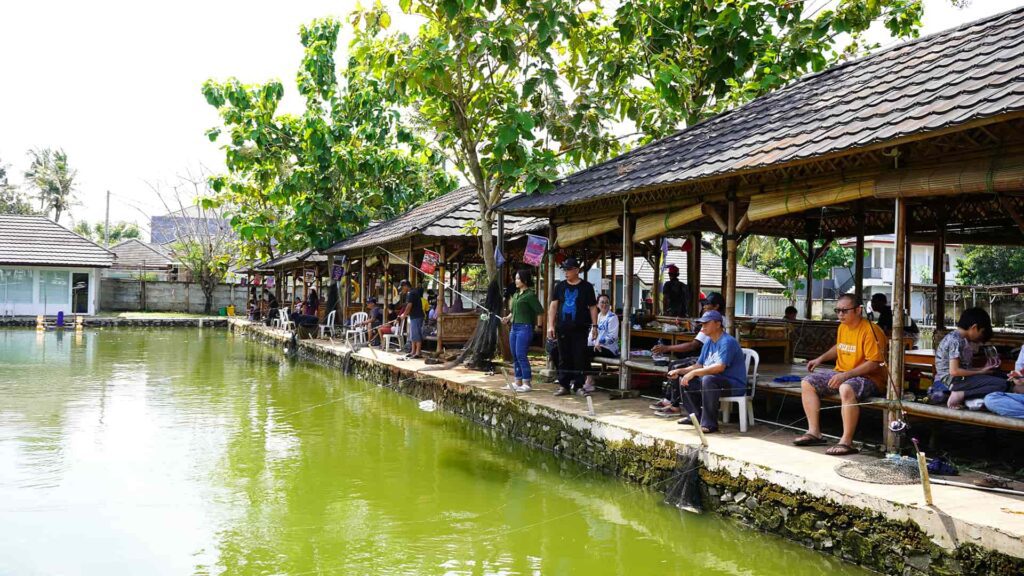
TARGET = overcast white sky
x,y
116,83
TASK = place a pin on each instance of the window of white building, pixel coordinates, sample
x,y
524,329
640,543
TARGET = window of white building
x,y
54,287
16,285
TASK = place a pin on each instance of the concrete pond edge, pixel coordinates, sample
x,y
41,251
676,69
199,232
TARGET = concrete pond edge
x,y
763,499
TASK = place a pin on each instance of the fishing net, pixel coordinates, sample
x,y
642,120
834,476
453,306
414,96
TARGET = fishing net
x,y
478,353
683,490
884,471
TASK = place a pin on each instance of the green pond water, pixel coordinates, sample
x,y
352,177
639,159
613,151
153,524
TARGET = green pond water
x,y
197,452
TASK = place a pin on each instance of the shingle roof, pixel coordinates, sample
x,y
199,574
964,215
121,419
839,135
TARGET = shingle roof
x,y
442,217
134,253
710,272
947,79
39,241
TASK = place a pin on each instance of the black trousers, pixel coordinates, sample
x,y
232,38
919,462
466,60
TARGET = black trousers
x,y
573,357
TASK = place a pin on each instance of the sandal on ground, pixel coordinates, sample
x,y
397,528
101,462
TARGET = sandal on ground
x,y
660,405
809,440
684,421
842,450
669,412
707,430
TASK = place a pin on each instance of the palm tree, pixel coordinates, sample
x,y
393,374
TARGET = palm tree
x,y
53,179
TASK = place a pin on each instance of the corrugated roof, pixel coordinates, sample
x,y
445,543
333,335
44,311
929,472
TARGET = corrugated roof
x,y
947,79
134,253
442,217
39,241
710,272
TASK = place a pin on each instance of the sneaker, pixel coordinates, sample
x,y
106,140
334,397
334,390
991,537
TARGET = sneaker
x,y
513,386
562,391
523,388
660,405
669,412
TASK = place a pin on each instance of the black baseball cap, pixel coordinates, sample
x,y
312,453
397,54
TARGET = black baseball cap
x,y
570,263
714,298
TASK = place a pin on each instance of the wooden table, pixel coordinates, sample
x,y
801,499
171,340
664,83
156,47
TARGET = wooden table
x,y
927,358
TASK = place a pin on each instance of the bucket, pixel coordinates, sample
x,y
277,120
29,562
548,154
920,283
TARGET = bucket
x,y
223,311
231,310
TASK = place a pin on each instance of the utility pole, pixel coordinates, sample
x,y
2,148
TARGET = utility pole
x,y
106,224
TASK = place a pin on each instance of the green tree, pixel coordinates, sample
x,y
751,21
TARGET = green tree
x,y
54,180
669,63
119,231
297,181
789,267
987,265
12,201
486,81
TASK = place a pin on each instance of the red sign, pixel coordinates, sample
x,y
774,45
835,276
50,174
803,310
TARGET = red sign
x,y
430,261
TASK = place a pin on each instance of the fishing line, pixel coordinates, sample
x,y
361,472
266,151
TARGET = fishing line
x,y
439,283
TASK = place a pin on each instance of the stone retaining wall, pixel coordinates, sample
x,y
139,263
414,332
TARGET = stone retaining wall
x,y
856,534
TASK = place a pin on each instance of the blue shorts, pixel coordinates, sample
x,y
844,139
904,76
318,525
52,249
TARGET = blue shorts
x,y
416,329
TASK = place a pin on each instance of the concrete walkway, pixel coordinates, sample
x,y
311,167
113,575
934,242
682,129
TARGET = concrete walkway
x,y
959,515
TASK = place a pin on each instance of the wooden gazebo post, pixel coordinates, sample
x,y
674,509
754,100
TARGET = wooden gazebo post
x,y
895,391
362,279
939,274
440,296
858,267
627,295
656,306
730,289
693,273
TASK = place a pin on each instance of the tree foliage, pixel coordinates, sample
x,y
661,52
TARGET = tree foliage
x,y
119,231
486,81
790,269
669,63
987,265
295,181
52,177
12,200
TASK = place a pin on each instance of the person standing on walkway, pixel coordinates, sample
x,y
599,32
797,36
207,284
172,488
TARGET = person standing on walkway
x,y
720,369
572,314
677,297
859,354
413,298
524,310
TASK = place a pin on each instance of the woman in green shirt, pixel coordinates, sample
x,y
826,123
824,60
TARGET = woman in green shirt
x,y
524,309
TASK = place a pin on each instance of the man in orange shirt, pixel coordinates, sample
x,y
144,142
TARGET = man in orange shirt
x,y
858,354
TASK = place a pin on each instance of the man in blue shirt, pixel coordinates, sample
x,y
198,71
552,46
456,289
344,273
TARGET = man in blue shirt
x,y
721,368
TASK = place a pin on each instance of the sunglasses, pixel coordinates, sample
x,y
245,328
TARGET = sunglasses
x,y
844,310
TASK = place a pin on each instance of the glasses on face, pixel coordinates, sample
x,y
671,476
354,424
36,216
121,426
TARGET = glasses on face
x,y
844,310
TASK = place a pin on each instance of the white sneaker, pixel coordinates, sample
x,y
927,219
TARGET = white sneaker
x,y
513,386
523,388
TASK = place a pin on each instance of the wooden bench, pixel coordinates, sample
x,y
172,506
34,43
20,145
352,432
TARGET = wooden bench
x,y
454,328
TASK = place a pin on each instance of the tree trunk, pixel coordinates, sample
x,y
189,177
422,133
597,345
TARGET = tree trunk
x,y
487,242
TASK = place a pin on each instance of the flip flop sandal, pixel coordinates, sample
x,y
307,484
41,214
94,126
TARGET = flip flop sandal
x,y
808,440
708,430
842,450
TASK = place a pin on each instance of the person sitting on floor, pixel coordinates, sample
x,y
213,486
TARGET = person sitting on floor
x,y
790,315
859,353
669,405
721,368
953,357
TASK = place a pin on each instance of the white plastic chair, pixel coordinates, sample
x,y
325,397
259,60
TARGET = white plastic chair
x,y
746,402
283,322
397,335
328,325
357,334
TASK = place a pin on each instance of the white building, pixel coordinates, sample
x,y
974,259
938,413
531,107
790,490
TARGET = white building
x,y
880,267
46,268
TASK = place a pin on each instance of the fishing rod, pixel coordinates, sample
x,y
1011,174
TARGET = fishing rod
x,y
438,280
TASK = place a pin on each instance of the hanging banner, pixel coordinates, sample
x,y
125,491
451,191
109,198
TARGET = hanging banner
x,y
430,260
309,275
535,248
499,258
269,282
337,272
664,253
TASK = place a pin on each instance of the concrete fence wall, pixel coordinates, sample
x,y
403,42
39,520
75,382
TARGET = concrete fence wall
x,y
121,295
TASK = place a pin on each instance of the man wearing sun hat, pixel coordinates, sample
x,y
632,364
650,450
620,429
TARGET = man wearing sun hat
x,y
572,315
719,370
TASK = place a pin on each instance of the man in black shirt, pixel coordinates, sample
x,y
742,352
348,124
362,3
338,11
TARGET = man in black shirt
x,y
882,313
413,298
676,295
572,314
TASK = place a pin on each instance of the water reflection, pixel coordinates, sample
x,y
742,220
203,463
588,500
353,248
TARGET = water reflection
x,y
193,452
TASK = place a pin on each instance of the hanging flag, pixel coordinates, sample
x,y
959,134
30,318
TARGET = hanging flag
x,y
430,260
499,258
686,245
309,275
535,248
337,272
269,282
664,253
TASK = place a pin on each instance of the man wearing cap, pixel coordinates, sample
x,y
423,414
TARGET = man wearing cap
x,y
669,406
414,312
677,298
720,369
572,315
